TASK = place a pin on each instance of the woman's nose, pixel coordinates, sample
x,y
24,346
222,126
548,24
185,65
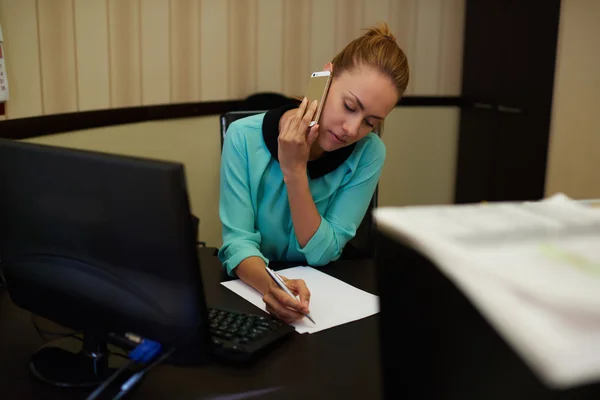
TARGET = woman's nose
x,y
351,127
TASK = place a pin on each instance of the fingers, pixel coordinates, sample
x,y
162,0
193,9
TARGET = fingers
x,y
274,307
312,134
286,280
286,127
299,286
303,116
287,301
285,307
301,110
290,126
308,116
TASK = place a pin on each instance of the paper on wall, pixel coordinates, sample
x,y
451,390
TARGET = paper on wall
x,y
4,93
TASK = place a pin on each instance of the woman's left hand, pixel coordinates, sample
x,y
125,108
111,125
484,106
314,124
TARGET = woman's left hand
x,y
295,139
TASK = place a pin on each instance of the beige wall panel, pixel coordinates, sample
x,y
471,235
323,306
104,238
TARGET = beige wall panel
x,y
125,53
349,20
269,45
296,46
421,145
22,56
403,23
451,50
574,155
57,54
376,11
91,50
322,38
120,53
185,51
156,87
426,59
213,44
242,48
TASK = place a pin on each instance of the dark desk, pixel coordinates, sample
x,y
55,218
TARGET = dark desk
x,y
341,362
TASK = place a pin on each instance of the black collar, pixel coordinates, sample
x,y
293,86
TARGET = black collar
x,y
317,168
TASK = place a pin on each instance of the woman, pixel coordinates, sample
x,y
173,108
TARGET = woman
x,y
294,193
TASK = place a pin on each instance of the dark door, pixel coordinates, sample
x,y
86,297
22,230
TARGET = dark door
x,y
508,77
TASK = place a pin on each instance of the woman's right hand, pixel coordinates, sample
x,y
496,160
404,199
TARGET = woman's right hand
x,y
282,306
278,303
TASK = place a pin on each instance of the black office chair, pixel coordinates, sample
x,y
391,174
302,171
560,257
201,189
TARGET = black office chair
x,y
229,117
359,247
254,104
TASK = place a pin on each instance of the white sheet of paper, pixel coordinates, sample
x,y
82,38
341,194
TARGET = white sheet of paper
x,y
332,302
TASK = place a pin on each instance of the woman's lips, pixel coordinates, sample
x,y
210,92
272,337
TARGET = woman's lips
x,y
336,138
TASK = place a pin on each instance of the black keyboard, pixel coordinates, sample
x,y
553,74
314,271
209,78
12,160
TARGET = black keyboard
x,y
240,337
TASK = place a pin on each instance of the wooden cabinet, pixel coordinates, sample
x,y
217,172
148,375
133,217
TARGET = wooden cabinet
x,y
508,79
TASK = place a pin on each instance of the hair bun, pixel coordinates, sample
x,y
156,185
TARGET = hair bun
x,y
381,29
377,48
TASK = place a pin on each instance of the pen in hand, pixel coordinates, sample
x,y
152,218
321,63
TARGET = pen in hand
x,y
284,287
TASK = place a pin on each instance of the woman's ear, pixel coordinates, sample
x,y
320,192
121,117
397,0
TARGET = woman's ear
x,y
328,67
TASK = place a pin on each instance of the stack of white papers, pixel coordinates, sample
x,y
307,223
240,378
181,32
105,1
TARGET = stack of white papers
x,y
532,269
332,302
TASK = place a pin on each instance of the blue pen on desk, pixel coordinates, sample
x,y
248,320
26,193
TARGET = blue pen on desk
x,y
284,287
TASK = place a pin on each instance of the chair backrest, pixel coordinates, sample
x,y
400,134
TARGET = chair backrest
x,y
362,245
254,104
227,118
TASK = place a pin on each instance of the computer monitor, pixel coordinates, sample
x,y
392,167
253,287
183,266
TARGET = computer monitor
x,y
102,244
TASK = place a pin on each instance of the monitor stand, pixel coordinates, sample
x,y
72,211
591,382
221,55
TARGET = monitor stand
x,y
68,362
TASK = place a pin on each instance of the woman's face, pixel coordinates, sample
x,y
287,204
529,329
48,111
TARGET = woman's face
x,y
357,101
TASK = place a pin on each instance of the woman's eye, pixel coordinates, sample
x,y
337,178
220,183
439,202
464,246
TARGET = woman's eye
x,y
352,110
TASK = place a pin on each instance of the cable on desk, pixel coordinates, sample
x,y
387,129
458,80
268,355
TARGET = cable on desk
x,y
137,377
43,333
62,335
147,351
110,380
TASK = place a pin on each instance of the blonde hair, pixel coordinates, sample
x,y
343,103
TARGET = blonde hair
x,y
376,48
